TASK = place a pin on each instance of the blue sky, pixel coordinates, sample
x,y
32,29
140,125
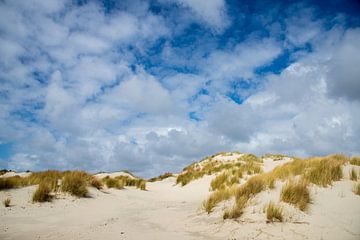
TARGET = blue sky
x,y
151,86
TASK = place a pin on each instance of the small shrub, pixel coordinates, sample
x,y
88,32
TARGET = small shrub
x,y
353,175
274,212
75,183
7,202
355,160
296,193
42,193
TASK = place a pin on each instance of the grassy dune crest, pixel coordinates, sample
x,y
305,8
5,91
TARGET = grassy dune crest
x,y
321,171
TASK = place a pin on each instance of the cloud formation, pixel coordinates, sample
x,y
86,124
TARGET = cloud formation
x,y
151,87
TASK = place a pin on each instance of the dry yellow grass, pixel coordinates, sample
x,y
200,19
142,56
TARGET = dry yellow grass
x,y
355,160
275,157
247,163
75,183
161,177
321,171
353,175
113,183
357,189
274,212
11,182
42,193
237,210
296,193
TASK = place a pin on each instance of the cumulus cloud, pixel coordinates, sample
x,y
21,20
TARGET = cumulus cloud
x,y
141,87
344,72
212,12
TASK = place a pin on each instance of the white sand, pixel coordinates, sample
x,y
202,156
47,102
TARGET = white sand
x,y
167,211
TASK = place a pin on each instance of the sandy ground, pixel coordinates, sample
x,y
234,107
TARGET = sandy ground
x,y
167,211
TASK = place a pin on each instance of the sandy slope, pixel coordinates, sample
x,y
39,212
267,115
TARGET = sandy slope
x,y
167,211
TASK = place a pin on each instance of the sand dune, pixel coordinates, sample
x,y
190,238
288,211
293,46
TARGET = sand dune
x,y
169,211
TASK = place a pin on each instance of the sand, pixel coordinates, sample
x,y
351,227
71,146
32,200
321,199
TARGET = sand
x,y
168,211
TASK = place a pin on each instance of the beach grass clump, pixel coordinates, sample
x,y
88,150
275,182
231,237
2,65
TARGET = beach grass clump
x,y
356,189
217,197
296,193
50,177
141,184
323,171
353,175
113,183
274,212
11,182
161,177
42,193
252,187
355,160
237,210
75,183
7,202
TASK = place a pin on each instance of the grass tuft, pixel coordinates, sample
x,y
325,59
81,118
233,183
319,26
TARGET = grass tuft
x,y
353,175
324,171
7,202
355,160
75,183
237,210
113,183
42,193
274,212
357,189
296,193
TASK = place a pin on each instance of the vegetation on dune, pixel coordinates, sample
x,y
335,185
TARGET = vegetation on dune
x,y
296,193
246,163
321,171
161,177
355,160
42,193
274,212
120,181
353,175
237,210
113,183
75,183
11,182
357,189
275,157
7,202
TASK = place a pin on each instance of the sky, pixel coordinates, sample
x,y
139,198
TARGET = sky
x,y
151,86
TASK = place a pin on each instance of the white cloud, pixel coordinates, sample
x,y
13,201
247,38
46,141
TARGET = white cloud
x,y
212,12
344,71
242,60
77,89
